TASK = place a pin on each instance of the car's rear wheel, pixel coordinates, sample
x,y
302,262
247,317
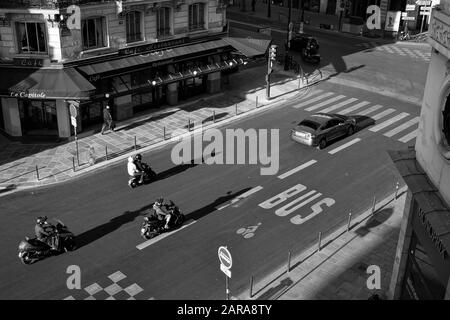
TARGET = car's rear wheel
x,y
350,131
322,144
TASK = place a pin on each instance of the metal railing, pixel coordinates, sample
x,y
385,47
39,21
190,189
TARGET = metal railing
x,y
347,223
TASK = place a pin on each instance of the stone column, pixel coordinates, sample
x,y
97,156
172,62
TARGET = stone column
x,y
213,82
11,117
63,118
172,93
401,256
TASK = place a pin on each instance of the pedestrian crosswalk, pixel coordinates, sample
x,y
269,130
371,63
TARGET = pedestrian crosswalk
x,y
401,126
396,49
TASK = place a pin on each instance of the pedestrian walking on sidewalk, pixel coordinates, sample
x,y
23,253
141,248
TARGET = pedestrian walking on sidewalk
x,y
107,120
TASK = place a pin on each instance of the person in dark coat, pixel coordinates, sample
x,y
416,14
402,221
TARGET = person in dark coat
x,y
107,120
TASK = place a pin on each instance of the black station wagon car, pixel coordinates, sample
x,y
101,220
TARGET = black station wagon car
x,y
320,128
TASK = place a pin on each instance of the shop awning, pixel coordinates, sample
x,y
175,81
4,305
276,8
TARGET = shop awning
x,y
249,47
44,83
146,58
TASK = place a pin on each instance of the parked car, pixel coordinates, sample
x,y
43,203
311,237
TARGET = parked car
x,y
321,128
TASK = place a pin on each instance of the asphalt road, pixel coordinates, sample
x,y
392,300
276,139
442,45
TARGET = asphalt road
x,y
106,214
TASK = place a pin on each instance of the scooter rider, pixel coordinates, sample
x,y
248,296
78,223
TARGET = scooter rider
x,y
138,162
43,235
133,171
160,211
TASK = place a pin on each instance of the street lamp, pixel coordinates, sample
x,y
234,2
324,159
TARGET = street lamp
x,y
107,95
195,73
154,82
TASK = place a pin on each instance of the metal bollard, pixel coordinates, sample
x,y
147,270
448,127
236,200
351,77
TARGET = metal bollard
x,y
251,287
236,112
37,172
73,163
106,152
349,221
289,262
189,124
135,146
396,190
214,116
256,102
373,205
299,82
320,240
164,133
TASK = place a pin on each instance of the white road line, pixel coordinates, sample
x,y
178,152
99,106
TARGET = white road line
x,y
300,167
242,196
382,114
339,105
324,103
402,127
355,107
305,103
386,123
164,235
409,136
345,145
370,110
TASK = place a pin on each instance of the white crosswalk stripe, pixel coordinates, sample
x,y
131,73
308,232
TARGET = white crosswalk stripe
x,y
412,54
311,101
402,127
388,49
324,103
420,53
345,145
382,114
355,107
339,105
400,52
389,122
370,110
409,136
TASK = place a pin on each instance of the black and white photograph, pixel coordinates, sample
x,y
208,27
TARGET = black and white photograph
x,y
221,158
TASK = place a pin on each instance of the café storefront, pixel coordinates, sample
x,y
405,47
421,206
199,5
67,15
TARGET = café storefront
x,y
136,79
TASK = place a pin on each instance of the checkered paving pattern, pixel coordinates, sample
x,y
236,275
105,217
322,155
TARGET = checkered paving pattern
x,y
396,49
115,287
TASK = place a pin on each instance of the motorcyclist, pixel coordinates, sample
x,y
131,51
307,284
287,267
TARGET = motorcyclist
x,y
138,162
133,170
44,232
161,211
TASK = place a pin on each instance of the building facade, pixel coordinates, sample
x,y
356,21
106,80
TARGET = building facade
x,y
132,54
422,264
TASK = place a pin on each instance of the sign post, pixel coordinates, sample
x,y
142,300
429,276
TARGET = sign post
x,y
73,117
226,263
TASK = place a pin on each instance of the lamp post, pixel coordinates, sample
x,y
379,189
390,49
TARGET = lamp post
x,y
288,38
268,8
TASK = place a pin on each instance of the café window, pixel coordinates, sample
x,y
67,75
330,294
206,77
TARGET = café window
x,y
31,37
94,33
163,22
446,120
196,16
134,26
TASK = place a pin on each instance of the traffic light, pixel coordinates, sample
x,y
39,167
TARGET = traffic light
x,y
273,52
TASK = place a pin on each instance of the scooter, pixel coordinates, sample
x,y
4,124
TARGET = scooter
x,y
32,249
311,56
154,226
149,176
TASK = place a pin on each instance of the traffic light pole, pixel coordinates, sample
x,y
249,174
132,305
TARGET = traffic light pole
x,y
269,70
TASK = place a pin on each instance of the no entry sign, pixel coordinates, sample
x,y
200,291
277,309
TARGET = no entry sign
x,y
226,262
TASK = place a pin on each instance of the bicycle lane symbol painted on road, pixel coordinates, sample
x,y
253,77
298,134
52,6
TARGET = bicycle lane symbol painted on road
x,y
249,231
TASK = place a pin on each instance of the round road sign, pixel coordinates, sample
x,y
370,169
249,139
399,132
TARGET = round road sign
x,y
225,257
73,111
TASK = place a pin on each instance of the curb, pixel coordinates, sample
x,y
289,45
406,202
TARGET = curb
x,y
276,277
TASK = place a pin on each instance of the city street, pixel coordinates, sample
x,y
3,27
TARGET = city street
x,y
229,205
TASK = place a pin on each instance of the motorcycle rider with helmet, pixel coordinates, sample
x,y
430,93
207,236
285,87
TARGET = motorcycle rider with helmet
x,y
162,212
43,235
133,169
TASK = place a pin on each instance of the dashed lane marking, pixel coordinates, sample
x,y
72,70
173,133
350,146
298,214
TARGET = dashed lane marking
x,y
345,145
242,196
300,167
162,236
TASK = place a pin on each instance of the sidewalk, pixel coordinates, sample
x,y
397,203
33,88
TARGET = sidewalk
x,y
58,162
339,270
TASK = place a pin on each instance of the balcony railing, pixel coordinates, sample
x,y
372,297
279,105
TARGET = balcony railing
x,y
45,4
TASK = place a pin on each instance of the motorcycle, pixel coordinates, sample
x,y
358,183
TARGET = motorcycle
x,y
149,176
154,225
32,249
311,56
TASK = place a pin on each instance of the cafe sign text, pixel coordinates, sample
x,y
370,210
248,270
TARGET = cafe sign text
x,y
29,95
